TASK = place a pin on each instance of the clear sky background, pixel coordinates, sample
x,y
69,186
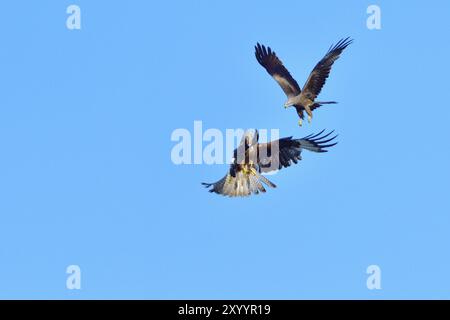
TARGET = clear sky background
x,y
86,176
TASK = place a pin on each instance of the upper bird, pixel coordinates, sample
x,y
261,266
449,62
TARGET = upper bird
x,y
301,100
252,158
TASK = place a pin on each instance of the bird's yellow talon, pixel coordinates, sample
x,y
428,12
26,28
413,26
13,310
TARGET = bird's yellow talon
x,y
309,119
300,122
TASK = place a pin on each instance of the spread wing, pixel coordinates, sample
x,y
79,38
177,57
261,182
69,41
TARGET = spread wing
x,y
321,71
241,183
269,60
282,153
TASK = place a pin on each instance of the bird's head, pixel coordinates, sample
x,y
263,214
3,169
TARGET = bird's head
x,y
251,138
288,104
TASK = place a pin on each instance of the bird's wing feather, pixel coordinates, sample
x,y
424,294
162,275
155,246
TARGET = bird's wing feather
x,y
282,153
269,60
321,71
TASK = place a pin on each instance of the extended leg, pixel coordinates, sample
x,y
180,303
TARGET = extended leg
x,y
301,115
309,112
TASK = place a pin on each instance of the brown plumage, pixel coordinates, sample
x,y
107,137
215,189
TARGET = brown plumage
x,y
251,159
302,100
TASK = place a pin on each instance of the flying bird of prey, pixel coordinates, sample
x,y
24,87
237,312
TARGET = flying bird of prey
x,y
252,158
302,100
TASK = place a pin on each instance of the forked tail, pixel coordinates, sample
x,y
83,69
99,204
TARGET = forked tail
x,y
319,103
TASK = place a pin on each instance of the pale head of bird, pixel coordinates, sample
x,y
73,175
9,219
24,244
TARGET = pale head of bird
x,y
251,138
248,141
289,103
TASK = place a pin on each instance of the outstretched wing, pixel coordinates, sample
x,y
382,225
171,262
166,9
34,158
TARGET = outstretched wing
x,y
282,153
321,71
242,184
269,60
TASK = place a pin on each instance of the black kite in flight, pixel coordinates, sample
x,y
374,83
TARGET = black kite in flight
x,y
301,100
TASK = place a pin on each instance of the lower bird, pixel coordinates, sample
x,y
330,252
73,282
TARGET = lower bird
x,y
302,100
252,158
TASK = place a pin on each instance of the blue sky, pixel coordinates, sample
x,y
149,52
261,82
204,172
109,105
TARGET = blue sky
x,y
86,176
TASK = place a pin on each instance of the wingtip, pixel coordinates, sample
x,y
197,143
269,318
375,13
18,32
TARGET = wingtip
x,y
346,42
341,44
